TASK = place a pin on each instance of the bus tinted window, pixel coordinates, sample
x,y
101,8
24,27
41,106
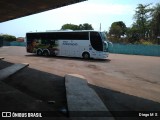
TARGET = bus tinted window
x,y
73,35
59,36
96,41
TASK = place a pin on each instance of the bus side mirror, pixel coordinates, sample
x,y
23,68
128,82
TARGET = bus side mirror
x,y
110,43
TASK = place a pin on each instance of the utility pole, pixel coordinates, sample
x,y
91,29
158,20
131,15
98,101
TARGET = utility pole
x,y
100,26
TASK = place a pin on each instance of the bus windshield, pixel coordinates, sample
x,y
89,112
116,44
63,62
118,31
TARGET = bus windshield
x,y
105,40
104,37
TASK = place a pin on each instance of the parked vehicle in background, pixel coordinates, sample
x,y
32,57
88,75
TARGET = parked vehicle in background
x,y
84,44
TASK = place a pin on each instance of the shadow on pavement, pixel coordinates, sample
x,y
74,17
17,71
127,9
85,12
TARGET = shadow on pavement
x,y
123,104
33,90
4,64
71,58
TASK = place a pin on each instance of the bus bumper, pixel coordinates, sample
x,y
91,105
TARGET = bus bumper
x,y
105,55
101,55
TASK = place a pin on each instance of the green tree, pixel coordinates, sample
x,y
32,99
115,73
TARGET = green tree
x,y
142,19
85,26
8,38
133,34
117,29
155,22
70,26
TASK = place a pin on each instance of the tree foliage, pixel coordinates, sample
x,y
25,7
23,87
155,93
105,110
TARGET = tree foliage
x,y
146,26
155,23
142,19
84,26
8,38
117,29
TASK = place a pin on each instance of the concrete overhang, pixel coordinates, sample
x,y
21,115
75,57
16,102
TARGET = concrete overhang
x,y
11,9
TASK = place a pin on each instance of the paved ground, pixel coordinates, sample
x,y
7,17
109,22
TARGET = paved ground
x,y
124,82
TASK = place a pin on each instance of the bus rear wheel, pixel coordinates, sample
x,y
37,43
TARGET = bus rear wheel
x,y
86,55
45,53
39,52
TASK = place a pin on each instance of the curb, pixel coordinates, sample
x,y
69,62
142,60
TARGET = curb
x,y
6,72
83,102
1,58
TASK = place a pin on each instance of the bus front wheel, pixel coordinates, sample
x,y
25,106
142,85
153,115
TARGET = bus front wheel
x,y
86,55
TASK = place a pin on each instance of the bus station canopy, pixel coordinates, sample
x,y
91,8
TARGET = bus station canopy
x,y
11,9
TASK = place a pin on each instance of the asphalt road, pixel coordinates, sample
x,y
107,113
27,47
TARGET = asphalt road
x,y
123,82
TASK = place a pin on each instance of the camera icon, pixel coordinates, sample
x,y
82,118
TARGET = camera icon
x,y
6,114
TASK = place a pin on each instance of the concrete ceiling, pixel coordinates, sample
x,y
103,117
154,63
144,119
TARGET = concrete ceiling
x,y
11,9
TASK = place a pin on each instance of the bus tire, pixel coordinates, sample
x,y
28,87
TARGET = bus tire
x,y
39,52
86,55
45,53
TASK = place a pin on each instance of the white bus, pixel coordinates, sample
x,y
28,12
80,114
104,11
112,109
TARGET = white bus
x,y
84,44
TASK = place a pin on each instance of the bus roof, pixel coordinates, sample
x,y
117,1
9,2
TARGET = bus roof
x,y
50,31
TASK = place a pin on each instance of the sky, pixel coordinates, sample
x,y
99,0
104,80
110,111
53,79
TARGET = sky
x,y
94,12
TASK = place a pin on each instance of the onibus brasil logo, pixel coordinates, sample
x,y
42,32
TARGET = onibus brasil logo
x,y
24,114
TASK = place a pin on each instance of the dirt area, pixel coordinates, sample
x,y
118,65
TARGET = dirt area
x,y
123,82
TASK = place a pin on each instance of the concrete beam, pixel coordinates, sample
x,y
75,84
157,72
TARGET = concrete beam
x,y
1,58
6,72
83,102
